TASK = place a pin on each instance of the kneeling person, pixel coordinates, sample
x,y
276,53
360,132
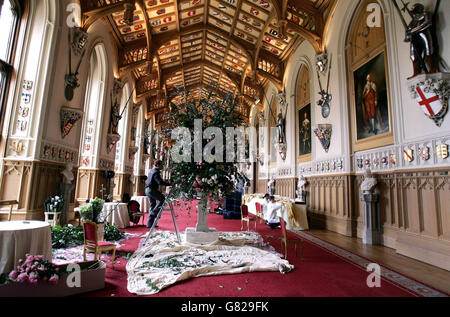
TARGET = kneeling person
x,y
272,207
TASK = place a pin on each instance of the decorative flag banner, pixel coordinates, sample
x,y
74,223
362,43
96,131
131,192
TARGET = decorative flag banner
x,y
26,98
254,11
264,4
27,85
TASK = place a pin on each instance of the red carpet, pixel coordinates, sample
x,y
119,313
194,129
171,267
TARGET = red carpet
x,y
320,274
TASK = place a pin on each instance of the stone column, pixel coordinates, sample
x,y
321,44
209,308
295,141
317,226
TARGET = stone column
x,y
66,192
370,198
372,222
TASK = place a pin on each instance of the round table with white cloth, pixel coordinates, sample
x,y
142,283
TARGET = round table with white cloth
x,y
116,214
18,238
143,202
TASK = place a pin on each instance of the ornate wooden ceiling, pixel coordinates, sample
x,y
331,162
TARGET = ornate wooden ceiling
x,y
232,46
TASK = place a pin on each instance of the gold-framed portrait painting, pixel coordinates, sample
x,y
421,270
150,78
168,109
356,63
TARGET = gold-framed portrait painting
x,y
371,99
368,76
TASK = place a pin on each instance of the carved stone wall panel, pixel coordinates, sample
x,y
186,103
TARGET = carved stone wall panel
x,y
45,182
443,198
285,187
30,183
429,212
89,184
261,186
122,185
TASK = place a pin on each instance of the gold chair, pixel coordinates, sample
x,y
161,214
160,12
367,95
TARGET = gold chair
x,y
9,203
285,240
92,244
245,217
259,212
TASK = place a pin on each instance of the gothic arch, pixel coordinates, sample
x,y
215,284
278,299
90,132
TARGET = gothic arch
x,y
303,114
95,99
368,78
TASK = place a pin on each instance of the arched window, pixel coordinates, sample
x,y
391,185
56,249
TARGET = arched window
x,y
121,146
304,115
139,141
369,81
94,106
10,14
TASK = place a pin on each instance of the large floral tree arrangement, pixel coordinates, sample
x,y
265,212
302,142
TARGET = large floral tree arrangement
x,y
191,179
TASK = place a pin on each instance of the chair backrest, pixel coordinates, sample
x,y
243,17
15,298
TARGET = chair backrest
x,y
258,207
244,210
283,227
134,206
90,232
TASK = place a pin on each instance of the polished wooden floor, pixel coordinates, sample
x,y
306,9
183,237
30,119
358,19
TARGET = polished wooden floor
x,y
422,272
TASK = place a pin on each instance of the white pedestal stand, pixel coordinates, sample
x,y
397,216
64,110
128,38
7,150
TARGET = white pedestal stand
x,y
202,234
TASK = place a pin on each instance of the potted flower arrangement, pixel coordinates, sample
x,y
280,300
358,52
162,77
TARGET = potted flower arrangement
x,y
33,270
54,204
208,178
53,208
36,277
93,212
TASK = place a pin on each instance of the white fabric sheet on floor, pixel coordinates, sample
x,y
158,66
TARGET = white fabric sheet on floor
x,y
17,238
164,262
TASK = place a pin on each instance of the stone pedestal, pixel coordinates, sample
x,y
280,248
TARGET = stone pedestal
x,y
66,192
201,237
202,234
372,222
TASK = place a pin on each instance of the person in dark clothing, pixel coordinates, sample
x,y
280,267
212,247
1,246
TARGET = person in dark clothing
x,y
152,191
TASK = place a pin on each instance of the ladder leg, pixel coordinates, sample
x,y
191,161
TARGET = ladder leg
x,y
175,223
155,223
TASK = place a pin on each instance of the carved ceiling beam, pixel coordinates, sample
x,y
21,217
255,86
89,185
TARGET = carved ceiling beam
x,y
172,70
311,37
141,4
259,42
92,14
160,39
305,6
273,79
130,67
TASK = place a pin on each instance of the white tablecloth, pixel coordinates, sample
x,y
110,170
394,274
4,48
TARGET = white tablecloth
x,y
116,214
18,238
143,201
299,212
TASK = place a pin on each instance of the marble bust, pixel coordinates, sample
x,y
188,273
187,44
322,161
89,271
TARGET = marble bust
x,y
271,186
68,176
301,188
369,182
